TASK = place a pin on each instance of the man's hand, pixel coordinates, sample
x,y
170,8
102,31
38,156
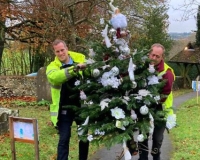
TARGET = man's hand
x,y
80,66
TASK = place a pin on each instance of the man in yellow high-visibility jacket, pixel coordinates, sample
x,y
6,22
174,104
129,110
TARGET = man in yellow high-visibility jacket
x,y
62,75
156,56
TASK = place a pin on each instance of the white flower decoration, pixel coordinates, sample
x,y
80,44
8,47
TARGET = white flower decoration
x,y
109,80
171,121
104,103
143,92
80,129
126,98
98,132
138,97
157,98
153,80
83,95
77,83
120,125
90,138
117,113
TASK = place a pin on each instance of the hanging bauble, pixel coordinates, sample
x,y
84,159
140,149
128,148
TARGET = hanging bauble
x,y
134,84
112,32
140,138
134,116
115,71
144,110
96,73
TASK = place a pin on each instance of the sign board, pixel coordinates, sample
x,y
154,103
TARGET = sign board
x,y
194,85
23,130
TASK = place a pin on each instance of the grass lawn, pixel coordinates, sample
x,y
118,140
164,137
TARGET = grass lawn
x,y
185,137
48,138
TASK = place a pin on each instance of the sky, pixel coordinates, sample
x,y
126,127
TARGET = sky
x,y
176,24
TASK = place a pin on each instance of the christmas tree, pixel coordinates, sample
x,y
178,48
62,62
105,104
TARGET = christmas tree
x,y
118,98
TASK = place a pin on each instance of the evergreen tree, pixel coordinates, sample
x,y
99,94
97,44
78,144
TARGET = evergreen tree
x,y
198,28
119,95
155,28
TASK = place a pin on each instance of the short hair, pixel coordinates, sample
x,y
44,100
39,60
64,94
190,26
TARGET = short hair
x,y
57,41
158,45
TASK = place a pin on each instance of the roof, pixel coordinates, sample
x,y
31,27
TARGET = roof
x,y
191,56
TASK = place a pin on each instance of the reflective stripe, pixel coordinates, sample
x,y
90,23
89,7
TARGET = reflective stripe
x,y
51,71
54,113
55,87
162,73
69,72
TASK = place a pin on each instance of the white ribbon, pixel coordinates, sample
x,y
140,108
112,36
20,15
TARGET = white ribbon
x,y
127,154
131,69
106,39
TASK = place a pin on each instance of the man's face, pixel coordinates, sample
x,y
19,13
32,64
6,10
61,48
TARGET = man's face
x,y
156,55
61,51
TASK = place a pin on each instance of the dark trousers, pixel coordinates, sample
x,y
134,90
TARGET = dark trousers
x,y
157,139
64,128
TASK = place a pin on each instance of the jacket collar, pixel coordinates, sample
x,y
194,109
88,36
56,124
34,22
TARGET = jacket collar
x,y
160,66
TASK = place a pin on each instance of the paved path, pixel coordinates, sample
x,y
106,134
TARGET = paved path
x,y
166,150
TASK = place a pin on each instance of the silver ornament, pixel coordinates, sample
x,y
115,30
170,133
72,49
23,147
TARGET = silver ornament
x,y
95,73
115,71
144,110
112,32
133,116
140,138
134,84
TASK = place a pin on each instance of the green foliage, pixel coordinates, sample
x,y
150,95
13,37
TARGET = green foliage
x,y
198,28
155,29
193,73
185,136
102,124
15,62
48,138
43,103
31,103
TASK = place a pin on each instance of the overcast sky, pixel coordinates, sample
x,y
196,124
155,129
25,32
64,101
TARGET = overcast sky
x,y
176,24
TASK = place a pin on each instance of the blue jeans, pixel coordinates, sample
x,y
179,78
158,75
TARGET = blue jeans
x,y
64,128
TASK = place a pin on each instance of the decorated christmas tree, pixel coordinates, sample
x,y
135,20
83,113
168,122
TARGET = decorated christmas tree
x,y
118,97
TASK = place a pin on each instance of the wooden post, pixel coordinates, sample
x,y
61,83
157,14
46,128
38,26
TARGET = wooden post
x,y
12,141
197,88
35,129
32,137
